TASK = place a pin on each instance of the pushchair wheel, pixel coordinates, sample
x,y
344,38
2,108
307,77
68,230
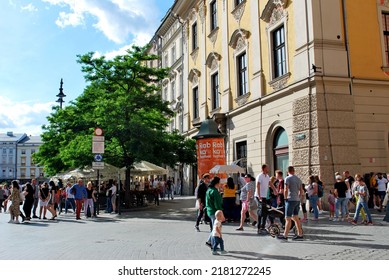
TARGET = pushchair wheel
x,y
274,230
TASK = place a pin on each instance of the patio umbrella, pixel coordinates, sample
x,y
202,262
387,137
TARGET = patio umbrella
x,y
144,168
227,169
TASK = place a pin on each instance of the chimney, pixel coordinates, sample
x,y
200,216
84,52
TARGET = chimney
x,y
10,134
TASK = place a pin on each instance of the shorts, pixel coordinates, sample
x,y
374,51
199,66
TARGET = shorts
x,y
43,203
292,208
113,199
332,207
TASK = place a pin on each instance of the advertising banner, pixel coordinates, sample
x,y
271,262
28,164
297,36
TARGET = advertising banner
x,y
210,152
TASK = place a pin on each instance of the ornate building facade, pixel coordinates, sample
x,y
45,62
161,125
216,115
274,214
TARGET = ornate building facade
x,y
301,83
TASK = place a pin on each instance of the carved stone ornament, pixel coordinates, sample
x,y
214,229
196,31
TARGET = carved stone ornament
x,y
280,82
213,35
385,3
213,60
240,45
270,8
194,75
239,34
194,54
238,11
241,100
193,15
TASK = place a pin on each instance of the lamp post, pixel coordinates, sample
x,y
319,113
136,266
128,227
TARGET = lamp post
x,y
61,95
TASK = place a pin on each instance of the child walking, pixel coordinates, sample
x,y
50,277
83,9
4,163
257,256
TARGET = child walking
x,y
331,202
217,238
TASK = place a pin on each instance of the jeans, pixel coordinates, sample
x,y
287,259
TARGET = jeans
x,y
340,202
313,203
200,214
363,205
262,213
213,218
35,205
72,204
215,241
88,202
109,205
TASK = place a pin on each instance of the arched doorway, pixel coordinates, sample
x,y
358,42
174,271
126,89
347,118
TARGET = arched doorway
x,y
281,150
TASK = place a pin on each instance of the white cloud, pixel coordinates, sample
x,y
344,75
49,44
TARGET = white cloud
x,y
118,20
30,8
27,117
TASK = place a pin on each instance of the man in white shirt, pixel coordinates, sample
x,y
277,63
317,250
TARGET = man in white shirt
x,y
381,189
261,190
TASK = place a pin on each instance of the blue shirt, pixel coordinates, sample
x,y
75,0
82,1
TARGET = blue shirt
x,y
80,191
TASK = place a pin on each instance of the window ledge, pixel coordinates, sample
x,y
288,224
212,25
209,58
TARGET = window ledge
x,y
241,100
216,110
385,68
280,82
213,35
194,53
196,121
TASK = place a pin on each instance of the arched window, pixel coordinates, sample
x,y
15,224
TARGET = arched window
x,y
281,150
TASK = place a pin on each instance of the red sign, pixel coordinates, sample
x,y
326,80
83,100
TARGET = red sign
x,y
98,131
210,152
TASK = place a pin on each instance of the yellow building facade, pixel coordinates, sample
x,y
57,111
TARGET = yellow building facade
x,y
301,83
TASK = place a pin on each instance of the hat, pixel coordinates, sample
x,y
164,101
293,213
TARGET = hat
x,y
338,177
205,175
247,176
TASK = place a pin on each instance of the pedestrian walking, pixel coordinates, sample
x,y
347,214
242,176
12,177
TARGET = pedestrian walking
x,y
247,199
292,193
14,197
80,195
200,198
262,185
363,198
217,237
89,201
28,202
36,188
312,189
213,202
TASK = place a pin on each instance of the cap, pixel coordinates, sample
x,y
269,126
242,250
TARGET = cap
x,y
205,175
338,177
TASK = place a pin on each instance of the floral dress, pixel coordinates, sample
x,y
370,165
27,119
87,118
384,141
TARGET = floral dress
x,y
14,209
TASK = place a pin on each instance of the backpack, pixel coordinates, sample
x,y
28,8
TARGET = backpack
x,y
320,191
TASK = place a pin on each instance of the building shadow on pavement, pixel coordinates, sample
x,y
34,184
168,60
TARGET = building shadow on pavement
x,y
244,255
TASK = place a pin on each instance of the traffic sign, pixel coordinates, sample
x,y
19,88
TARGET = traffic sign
x,y
98,131
98,138
98,157
98,147
98,165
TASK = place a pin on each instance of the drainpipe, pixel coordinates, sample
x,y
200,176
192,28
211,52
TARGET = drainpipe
x,y
309,92
346,42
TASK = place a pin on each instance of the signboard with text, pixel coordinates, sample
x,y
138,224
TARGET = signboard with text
x,y
210,152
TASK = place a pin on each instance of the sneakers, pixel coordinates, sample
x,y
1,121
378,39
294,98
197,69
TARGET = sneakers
x,y
223,252
354,222
370,223
208,244
335,220
10,221
376,207
17,222
254,223
282,237
215,253
304,220
197,228
297,237
241,229
262,231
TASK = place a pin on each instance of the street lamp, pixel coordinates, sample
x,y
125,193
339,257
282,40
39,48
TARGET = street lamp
x,y
61,95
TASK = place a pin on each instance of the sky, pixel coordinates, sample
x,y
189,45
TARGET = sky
x,y
40,41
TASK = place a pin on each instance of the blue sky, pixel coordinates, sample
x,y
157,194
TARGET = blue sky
x,y
40,40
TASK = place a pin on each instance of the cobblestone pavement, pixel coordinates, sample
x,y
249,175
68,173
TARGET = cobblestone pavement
x,y
167,232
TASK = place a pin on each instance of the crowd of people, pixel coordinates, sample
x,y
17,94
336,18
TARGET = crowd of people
x,y
258,198
34,201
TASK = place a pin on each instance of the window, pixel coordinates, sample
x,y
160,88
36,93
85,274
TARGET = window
x,y
23,162
215,90
281,150
10,173
4,160
33,151
173,90
174,53
164,97
23,173
213,14
4,151
279,52
237,2
195,102
23,152
385,27
194,36
242,74
32,173
166,60
11,151
10,160
241,154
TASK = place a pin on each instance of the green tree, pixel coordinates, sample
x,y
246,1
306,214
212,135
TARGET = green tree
x,y
121,98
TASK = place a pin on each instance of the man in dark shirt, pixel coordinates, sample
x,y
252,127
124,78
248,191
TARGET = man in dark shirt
x,y
201,191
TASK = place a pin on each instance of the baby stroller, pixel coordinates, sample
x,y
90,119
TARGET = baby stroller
x,y
279,212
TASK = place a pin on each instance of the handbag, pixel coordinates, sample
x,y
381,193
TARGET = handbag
x,y
385,202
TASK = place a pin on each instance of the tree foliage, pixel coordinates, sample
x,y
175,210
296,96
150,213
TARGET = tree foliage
x,y
121,98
